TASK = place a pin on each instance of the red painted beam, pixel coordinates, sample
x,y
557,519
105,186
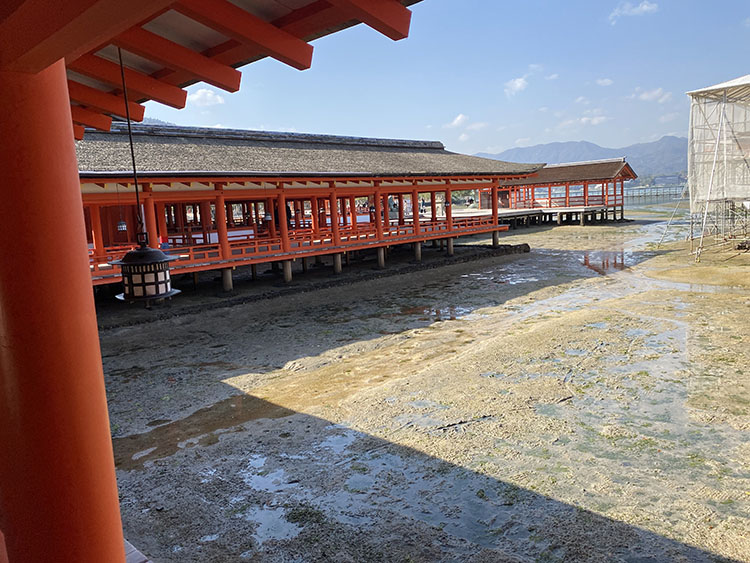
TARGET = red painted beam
x,y
173,55
389,17
93,119
78,131
106,103
38,32
142,85
242,26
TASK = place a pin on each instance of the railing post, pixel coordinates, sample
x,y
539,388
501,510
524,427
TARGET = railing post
x,y
415,211
378,202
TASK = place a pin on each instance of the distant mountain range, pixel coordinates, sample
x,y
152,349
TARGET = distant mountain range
x,y
667,156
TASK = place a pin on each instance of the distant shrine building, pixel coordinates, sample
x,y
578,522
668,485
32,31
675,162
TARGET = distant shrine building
x,y
220,198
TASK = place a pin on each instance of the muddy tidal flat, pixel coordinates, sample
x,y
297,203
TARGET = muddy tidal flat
x,y
586,401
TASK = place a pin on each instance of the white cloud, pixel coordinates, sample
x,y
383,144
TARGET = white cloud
x,y
205,97
543,109
554,76
463,137
218,126
582,100
596,120
628,9
605,81
656,95
458,121
593,118
523,141
535,68
477,126
516,85
669,117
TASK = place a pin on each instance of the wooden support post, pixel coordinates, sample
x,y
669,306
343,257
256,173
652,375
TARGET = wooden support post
x,y
304,265
315,216
161,223
433,206
221,228
283,222
335,218
495,239
381,257
150,219
96,231
378,201
415,213
206,224
559,218
353,210
449,243
58,497
418,251
227,283
337,263
582,218
254,271
287,264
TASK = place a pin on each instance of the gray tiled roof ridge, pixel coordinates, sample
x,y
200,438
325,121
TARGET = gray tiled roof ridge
x,y
156,130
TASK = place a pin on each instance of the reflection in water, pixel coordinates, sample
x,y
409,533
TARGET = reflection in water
x,y
605,262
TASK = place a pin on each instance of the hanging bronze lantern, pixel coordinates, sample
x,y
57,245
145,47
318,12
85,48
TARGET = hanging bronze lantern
x,y
145,273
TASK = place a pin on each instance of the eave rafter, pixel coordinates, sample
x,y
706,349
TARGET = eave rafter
x,y
158,65
248,29
174,56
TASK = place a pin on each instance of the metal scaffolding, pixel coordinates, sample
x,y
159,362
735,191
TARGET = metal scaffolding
x,y
719,164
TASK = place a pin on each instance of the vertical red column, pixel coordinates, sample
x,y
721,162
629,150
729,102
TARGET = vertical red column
x,y
335,218
58,495
221,224
161,221
149,212
495,212
283,223
415,211
378,201
96,231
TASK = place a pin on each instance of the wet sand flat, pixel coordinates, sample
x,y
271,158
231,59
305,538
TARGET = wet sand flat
x,y
588,401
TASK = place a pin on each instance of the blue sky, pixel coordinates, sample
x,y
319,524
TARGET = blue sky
x,y
486,75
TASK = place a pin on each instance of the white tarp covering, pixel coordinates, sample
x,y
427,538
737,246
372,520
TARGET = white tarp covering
x,y
719,147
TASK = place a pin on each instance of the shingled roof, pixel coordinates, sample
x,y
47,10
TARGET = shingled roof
x,y
578,172
161,149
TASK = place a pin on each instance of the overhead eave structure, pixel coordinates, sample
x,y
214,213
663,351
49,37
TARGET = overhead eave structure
x,y
59,73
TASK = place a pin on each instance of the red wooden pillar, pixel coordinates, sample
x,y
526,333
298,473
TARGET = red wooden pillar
x,y
415,211
315,215
448,210
221,224
353,209
495,213
378,201
58,495
161,222
567,194
149,217
283,222
386,212
335,218
400,209
96,231
269,212
585,193
549,195
433,206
